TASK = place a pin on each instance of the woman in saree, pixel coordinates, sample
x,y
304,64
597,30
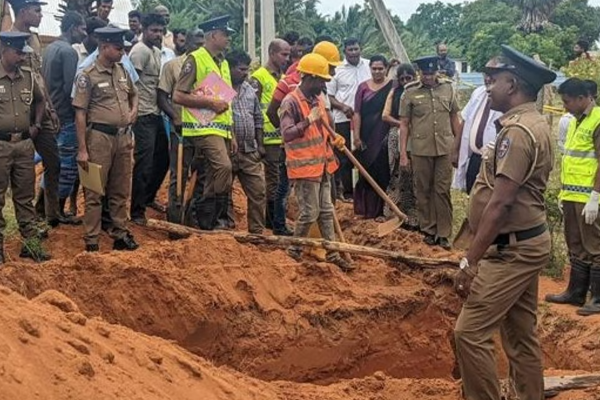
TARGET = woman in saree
x,y
400,188
370,139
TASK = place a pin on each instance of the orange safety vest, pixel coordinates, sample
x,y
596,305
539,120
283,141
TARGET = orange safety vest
x,y
309,156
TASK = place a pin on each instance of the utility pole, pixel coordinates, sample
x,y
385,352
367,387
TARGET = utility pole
x,y
392,38
267,27
250,27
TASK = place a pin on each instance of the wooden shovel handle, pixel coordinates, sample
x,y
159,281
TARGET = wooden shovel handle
x,y
369,179
179,170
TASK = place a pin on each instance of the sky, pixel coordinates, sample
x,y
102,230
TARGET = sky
x,y
402,8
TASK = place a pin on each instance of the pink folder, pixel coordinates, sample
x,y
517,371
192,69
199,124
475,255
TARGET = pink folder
x,y
212,86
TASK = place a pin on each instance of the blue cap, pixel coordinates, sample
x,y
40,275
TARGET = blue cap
x,y
20,4
531,71
111,34
219,23
428,64
16,40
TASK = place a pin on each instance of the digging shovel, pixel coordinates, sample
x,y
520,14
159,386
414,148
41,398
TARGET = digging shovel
x,y
387,227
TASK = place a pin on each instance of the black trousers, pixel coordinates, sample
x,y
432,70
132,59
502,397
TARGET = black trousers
x,y
343,176
151,162
473,171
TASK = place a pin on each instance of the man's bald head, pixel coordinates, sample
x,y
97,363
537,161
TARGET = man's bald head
x,y
279,53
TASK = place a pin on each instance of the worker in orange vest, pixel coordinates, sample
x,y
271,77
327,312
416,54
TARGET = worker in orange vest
x,y
310,160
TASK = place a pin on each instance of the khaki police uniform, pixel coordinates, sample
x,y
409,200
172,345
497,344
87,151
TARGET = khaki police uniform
x,y
432,139
45,142
17,102
504,293
105,95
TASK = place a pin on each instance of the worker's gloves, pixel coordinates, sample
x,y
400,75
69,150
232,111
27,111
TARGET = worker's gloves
x,y
339,142
590,211
315,115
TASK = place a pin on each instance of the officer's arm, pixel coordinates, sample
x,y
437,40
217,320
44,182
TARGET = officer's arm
x,y
493,217
185,85
165,105
81,128
457,127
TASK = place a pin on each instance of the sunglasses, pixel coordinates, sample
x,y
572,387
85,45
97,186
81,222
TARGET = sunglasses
x,y
406,78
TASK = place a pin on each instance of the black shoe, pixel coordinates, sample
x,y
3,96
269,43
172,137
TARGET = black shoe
x,y
444,243
141,221
286,231
429,240
32,249
92,248
593,306
53,223
579,283
125,243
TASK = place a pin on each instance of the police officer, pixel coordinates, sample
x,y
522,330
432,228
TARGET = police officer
x,y
22,109
213,140
265,80
28,14
580,195
429,118
106,104
511,242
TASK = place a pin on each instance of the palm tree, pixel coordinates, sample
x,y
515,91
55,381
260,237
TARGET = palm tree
x,y
535,13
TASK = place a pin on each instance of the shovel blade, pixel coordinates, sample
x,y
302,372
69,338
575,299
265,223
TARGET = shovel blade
x,y
389,226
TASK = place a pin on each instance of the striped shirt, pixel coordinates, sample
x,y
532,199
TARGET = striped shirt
x,y
247,118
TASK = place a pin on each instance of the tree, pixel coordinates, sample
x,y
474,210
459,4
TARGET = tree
x,y
580,15
535,13
438,20
486,43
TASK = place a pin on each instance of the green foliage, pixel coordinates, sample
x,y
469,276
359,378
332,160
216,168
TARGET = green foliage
x,y
438,19
577,14
584,69
553,45
485,43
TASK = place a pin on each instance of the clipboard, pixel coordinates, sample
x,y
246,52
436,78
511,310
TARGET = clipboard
x,y
92,178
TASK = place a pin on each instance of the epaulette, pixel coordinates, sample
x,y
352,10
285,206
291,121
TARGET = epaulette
x,y
413,85
89,68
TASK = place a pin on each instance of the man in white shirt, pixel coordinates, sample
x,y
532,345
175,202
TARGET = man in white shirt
x,y
478,130
342,90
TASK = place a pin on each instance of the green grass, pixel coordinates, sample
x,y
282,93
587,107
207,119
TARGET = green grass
x,y
12,227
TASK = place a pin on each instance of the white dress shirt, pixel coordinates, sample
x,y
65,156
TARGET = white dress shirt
x,y
344,85
471,115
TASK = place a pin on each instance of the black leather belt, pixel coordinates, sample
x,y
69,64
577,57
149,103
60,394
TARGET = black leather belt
x,y
504,239
14,136
108,129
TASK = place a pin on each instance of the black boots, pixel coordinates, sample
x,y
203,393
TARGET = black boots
x,y
125,243
593,306
579,282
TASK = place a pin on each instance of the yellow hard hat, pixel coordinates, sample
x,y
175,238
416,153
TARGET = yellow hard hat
x,y
330,52
314,64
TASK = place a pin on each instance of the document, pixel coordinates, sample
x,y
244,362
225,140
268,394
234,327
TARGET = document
x,y
212,86
92,178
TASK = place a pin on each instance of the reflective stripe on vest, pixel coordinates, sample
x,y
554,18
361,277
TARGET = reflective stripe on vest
x,y
311,155
579,161
221,124
268,83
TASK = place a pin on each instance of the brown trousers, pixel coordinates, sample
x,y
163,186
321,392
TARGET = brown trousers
x,y
114,154
215,150
17,169
247,167
583,240
432,180
271,161
504,295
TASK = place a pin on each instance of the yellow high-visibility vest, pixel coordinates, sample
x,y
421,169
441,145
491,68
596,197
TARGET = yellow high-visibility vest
x,y
579,162
271,135
222,123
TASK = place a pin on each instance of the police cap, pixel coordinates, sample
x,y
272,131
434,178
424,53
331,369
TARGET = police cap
x,y
219,23
111,34
428,64
16,40
526,68
20,4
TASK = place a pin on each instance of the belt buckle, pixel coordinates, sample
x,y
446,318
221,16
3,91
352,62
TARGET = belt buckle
x,y
16,137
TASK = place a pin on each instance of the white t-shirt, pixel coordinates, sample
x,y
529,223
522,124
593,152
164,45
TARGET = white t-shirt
x,y
344,85
563,128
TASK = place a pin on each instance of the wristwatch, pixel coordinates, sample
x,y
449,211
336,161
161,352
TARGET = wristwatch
x,y
464,263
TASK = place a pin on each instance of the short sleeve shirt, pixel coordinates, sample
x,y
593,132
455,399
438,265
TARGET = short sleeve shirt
x,y
105,93
168,78
147,61
513,156
429,110
187,77
17,100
